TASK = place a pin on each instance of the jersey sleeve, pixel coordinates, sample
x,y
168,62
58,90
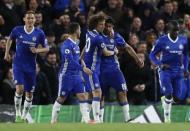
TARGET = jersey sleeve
x,y
100,42
67,53
43,40
13,34
155,50
120,41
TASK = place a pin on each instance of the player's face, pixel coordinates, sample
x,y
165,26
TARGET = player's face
x,y
175,30
108,28
29,19
100,27
78,32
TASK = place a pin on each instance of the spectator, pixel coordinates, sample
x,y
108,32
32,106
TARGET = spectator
x,y
167,14
42,93
8,88
50,68
137,88
60,27
159,27
113,10
40,22
12,16
136,28
74,9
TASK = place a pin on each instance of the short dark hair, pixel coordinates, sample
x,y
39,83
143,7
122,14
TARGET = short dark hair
x,y
94,20
73,27
29,12
110,20
51,52
171,24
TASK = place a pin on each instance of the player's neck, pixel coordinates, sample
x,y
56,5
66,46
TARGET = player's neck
x,y
73,37
173,37
28,29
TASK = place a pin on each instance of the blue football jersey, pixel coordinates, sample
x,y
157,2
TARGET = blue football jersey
x,y
111,62
93,50
24,58
70,57
173,53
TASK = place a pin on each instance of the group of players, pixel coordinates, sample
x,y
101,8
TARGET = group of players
x,y
97,65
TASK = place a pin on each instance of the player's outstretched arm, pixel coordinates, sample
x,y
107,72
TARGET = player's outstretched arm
x,y
107,52
132,53
39,50
8,46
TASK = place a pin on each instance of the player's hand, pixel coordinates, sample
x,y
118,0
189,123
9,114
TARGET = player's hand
x,y
142,87
33,50
116,51
140,63
165,66
87,70
92,8
111,34
7,57
187,101
186,74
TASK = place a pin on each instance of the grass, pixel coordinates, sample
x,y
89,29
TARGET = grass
x,y
95,127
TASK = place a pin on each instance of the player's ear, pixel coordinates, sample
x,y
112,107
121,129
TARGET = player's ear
x,y
24,18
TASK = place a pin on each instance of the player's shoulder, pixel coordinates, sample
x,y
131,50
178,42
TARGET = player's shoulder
x,y
39,30
66,43
92,34
117,34
100,36
183,37
17,28
163,37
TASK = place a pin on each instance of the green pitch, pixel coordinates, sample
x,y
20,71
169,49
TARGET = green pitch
x,y
95,127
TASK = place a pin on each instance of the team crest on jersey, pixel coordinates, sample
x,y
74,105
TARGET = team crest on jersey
x,y
111,40
34,38
180,46
67,51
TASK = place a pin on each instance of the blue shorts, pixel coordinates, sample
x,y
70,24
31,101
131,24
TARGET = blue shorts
x,y
25,78
114,79
171,83
91,82
70,83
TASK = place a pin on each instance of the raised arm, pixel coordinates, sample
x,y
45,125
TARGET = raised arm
x,y
133,54
107,52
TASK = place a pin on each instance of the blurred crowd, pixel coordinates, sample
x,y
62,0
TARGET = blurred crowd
x,y
140,22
